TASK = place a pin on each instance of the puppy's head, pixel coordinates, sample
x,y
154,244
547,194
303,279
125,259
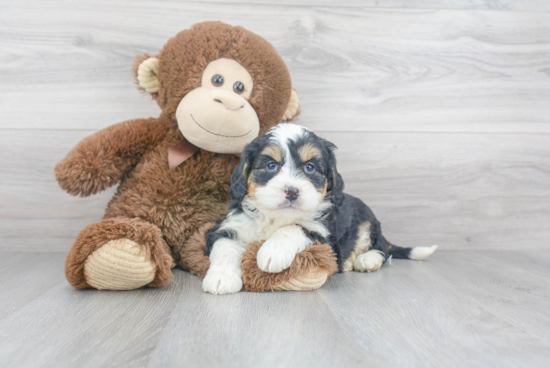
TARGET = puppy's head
x,y
288,171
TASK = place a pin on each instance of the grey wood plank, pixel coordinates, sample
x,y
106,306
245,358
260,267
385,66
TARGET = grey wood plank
x,y
26,276
505,5
414,316
32,204
536,262
255,330
516,296
367,69
454,190
68,328
459,308
460,191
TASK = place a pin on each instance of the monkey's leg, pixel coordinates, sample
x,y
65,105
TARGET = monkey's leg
x,y
191,252
119,254
310,269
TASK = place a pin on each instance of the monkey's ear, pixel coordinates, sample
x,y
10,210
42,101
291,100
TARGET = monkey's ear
x,y
293,107
146,71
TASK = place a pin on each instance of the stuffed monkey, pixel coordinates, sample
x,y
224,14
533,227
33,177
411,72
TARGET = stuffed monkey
x,y
219,87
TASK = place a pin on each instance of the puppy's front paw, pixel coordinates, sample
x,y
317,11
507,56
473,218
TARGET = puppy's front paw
x,y
274,256
219,281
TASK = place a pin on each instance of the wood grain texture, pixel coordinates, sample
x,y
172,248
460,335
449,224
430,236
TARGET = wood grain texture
x,y
465,322
460,191
274,329
35,213
458,309
504,5
448,108
360,69
82,328
26,276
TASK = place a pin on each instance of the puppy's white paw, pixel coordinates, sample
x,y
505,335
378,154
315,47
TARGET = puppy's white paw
x,y
370,261
275,256
220,281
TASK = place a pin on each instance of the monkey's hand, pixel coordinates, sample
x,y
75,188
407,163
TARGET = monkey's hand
x,y
100,160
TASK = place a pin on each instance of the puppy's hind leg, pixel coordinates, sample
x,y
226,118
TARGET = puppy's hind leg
x,y
369,261
371,247
368,254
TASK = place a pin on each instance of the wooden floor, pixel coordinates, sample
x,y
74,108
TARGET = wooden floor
x,y
457,309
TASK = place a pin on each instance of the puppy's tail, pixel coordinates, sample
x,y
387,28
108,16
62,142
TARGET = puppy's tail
x,y
416,253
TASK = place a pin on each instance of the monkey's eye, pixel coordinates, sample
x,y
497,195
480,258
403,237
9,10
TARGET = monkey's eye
x,y
272,166
238,87
217,80
309,168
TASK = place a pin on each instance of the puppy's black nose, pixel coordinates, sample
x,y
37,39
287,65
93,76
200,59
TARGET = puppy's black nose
x,y
292,193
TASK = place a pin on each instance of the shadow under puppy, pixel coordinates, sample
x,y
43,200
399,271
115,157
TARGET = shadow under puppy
x,y
286,190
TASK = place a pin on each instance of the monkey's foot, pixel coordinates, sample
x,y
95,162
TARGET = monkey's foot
x,y
309,281
310,270
119,254
118,265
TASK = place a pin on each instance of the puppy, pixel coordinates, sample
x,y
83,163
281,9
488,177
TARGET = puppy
x,y
286,190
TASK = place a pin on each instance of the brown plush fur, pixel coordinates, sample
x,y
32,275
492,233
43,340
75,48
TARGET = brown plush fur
x,y
185,56
94,236
101,160
192,254
315,257
164,211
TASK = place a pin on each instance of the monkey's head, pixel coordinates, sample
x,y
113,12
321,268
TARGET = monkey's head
x,y
222,84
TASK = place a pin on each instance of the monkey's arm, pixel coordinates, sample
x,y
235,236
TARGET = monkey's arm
x,y
100,160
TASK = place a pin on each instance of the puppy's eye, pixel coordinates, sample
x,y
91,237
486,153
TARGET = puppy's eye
x,y
272,166
238,87
217,80
309,168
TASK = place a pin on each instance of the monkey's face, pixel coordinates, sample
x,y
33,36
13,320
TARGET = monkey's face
x,y
222,85
217,115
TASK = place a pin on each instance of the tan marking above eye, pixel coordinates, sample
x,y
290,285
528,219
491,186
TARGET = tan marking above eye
x,y
274,152
308,151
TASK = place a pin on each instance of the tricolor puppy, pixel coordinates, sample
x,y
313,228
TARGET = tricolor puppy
x,y
286,190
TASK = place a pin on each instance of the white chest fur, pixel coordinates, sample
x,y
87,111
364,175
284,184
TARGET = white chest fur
x,y
253,225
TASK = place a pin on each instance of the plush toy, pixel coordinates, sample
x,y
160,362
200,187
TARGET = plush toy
x,y
218,86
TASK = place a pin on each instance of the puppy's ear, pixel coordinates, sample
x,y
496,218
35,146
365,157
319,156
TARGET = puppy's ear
x,y
239,178
335,183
